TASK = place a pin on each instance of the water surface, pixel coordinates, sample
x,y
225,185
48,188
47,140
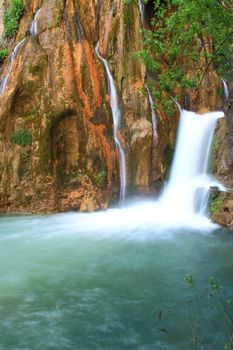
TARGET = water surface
x,y
90,281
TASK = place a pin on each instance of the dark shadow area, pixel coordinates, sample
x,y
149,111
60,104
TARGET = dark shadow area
x,y
149,12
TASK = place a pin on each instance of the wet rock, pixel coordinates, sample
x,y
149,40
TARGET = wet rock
x,y
89,204
58,92
140,149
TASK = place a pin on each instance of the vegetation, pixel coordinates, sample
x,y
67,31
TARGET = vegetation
x,y
199,32
12,16
216,203
22,138
3,54
214,293
210,300
98,178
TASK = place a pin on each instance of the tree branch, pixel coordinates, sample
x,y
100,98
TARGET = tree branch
x,y
211,60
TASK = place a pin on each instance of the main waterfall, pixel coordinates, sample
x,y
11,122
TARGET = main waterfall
x,y
187,191
116,115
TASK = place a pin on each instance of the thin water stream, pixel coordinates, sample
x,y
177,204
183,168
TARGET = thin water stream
x,y
225,90
14,54
116,115
11,60
34,25
153,115
141,6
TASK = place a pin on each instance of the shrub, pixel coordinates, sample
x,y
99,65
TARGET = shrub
x,y
216,203
3,54
12,16
181,32
22,138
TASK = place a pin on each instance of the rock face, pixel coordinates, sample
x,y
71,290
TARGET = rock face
x,y
56,132
57,92
223,164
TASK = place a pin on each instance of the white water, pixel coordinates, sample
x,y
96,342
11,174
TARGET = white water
x,y
34,25
9,67
141,6
186,194
116,114
184,201
225,89
153,116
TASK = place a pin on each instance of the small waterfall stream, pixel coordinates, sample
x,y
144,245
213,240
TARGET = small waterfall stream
x,y
187,191
116,114
34,25
225,89
11,59
153,116
141,6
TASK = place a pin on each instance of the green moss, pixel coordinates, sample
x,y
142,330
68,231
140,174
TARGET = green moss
x,y
128,18
216,203
3,54
24,163
98,179
22,138
12,16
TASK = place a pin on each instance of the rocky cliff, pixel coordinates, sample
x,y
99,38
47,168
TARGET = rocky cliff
x,y
56,130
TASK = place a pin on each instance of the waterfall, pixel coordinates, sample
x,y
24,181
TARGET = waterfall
x,y
153,116
9,67
116,114
225,89
187,191
12,57
34,25
141,6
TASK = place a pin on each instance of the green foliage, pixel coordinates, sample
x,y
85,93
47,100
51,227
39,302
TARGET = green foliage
x,y
228,347
101,175
190,32
214,292
189,280
204,301
3,54
214,284
99,178
216,203
26,156
22,138
12,16
127,2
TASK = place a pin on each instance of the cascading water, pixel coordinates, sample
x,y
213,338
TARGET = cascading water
x,y
187,191
34,25
33,33
116,114
9,67
153,116
225,89
141,6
